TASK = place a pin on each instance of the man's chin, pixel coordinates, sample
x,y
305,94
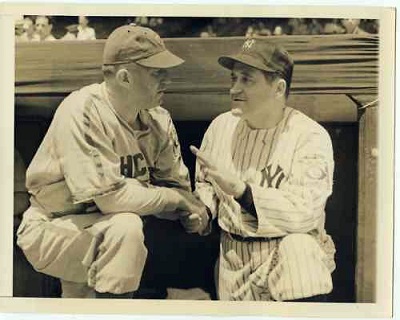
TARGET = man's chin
x,y
237,112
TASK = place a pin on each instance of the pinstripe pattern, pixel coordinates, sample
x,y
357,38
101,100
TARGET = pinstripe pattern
x,y
280,269
290,169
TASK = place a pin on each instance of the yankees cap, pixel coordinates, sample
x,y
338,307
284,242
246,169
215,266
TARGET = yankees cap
x,y
262,55
132,43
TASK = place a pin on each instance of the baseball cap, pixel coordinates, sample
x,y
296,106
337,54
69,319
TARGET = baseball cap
x,y
262,55
132,43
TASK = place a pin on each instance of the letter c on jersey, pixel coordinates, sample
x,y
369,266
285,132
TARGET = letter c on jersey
x,y
132,166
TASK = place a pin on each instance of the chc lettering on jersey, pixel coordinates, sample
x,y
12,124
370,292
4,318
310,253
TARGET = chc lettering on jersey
x,y
133,166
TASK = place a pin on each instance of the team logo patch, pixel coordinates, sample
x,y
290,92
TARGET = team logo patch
x,y
272,176
248,44
316,173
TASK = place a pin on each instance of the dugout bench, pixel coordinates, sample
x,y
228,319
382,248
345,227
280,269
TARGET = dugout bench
x,y
334,77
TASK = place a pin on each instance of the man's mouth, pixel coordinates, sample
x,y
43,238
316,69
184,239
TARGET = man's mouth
x,y
237,99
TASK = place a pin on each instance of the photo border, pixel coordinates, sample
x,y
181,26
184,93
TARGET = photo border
x,y
385,228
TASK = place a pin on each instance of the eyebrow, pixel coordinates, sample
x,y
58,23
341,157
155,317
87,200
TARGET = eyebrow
x,y
244,73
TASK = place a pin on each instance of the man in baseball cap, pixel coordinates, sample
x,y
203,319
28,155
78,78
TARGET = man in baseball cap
x,y
133,43
110,158
265,171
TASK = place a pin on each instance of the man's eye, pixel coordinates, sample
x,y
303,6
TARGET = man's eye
x,y
246,79
158,72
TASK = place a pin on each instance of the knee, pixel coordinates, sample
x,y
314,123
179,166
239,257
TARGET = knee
x,y
298,243
126,226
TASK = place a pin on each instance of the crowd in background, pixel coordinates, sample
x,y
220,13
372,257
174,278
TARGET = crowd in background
x,y
50,28
41,28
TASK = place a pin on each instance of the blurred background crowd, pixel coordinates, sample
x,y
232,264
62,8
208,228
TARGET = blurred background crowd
x,y
50,28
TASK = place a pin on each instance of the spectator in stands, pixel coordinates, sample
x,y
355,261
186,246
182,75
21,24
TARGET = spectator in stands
x,y
353,26
315,27
258,29
28,30
43,28
250,32
84,31
208,32
155,22
333,27
72,32
142,21
18,28
278,31
298,26
262,30
370,25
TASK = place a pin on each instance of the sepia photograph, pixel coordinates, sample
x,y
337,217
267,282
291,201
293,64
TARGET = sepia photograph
x,y
205,156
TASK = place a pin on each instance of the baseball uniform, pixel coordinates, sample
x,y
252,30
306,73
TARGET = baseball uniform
x,y
281,250
90,151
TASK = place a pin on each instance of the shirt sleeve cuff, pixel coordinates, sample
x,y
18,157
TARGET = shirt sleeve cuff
x,y
246,201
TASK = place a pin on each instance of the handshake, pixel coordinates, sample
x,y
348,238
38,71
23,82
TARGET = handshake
x,y
193,214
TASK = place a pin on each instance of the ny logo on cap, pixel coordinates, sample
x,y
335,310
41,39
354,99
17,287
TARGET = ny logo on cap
x,y
248,44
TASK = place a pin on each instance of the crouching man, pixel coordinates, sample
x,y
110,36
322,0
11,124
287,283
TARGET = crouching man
x,y
110,157
265,171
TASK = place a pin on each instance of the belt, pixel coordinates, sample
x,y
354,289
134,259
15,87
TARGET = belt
x,y
239,238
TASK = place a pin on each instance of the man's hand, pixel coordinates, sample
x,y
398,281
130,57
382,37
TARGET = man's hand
x,y
181,200
189,202
228,182
194,222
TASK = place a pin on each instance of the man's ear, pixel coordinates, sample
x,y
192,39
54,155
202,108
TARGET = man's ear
x,y
280,88
123,78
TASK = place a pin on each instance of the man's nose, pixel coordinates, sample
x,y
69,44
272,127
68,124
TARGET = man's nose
x,y
235,88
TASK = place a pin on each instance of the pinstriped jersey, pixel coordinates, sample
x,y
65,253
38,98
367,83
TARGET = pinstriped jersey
x,y
289,168
89,151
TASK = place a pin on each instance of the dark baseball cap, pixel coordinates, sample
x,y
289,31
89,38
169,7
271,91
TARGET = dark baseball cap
x,y
263,55
132,43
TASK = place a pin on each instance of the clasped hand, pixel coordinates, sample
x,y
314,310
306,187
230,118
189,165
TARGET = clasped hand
x,y
193,213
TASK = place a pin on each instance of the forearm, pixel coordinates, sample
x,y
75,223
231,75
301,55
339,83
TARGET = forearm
x,y
295,210
139,199
206,194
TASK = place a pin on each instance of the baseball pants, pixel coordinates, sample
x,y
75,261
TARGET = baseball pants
x,y
296,266
105,253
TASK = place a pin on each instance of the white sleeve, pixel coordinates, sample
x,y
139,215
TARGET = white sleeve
x,y
92,168
299,202
138,198
204,190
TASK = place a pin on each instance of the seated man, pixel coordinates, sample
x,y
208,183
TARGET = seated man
x,y
265,170
84,31
110,158
28,31
43,29
72,31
